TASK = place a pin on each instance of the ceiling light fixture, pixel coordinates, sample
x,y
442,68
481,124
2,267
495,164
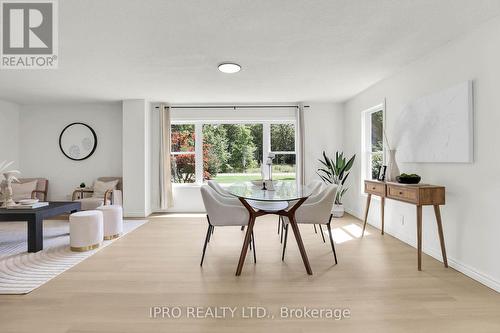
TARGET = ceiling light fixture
x,y
229,68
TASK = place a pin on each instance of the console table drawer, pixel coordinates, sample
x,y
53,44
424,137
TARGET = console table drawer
x,y
402,193
375,188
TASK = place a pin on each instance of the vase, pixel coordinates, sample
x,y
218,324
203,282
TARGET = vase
x,y
7,191
338,210
392,167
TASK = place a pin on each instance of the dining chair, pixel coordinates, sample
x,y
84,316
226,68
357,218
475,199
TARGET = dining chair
x,y
316,210
316,186
223,211
219,189
255,204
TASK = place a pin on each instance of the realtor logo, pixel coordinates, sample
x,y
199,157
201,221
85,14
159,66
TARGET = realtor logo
x,y
29,34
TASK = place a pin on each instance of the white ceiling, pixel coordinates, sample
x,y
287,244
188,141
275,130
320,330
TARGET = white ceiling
x,y
290,50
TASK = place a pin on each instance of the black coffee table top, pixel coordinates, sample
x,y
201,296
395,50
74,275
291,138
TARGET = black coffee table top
x,y
54,208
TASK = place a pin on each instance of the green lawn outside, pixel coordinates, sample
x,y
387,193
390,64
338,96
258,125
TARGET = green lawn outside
x,y
229,178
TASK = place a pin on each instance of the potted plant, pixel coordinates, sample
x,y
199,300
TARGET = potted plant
x,y
336,172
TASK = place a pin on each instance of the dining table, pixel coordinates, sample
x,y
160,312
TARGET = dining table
x,y
283,199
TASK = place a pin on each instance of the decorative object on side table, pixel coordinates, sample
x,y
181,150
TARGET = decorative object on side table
x,y
336,172
6,183
82,185
381,173
408,179
392,166
268,183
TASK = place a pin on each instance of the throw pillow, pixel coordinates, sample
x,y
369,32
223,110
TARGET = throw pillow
x,y
22,191
101,187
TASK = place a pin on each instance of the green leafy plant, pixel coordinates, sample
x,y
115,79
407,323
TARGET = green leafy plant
x,y
336,172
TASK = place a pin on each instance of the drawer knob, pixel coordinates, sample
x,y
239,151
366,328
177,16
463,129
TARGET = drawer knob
x,y
400,193
373,188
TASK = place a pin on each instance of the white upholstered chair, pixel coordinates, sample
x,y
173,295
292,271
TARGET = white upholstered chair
x,y
219,189
259,205
316,186
316,210
110,196
223,211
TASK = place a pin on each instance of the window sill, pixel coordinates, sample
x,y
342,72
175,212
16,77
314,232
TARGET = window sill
x,y
185,185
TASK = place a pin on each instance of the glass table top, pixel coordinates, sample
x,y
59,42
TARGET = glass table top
x,y
283,191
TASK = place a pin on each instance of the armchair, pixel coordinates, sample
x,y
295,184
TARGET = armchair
x,y
41,188
112,195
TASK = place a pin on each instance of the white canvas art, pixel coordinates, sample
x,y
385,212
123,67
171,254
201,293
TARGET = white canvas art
x,y
437,127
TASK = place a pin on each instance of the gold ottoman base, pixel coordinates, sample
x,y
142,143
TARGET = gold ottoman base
x,y
111,237
84,248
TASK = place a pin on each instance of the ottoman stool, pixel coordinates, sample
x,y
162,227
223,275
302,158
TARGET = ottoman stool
x,y
113,221
85,230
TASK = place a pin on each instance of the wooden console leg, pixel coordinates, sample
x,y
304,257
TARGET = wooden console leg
x,y
382,208
368,200
419,237
437,212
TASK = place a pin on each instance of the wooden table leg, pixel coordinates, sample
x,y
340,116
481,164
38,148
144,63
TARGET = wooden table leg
x,y
35,234
368,200
246,243
382,208
300,244
419,237
437,212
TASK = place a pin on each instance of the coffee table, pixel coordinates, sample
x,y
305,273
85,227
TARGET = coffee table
x,y
35,218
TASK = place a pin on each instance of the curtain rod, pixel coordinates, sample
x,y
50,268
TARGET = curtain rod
x,y
234,107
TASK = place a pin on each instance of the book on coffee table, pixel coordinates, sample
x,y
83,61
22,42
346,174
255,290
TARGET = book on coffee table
x,y
30,206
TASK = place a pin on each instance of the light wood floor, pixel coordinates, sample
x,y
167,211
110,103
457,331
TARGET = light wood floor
x,y
158,265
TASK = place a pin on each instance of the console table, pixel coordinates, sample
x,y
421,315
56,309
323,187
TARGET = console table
x,y
418,195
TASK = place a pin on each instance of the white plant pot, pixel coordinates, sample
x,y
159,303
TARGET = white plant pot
x,y
338,210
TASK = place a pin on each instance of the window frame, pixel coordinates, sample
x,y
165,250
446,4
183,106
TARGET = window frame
x,y
198,144
366,144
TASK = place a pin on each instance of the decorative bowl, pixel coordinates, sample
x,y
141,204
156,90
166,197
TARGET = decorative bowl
x,y
408,179
28,201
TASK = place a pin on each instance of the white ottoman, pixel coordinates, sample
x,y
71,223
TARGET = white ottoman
x,y
85,230
113,221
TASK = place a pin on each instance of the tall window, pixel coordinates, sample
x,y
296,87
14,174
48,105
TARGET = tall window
x,y
183,153
373,142
230,152
283,146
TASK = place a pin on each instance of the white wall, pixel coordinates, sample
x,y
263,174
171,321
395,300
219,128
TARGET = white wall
x,y
470,216
323,131
39,153
136,158
9,133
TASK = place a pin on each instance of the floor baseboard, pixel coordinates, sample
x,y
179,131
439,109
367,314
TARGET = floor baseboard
x,y
436,254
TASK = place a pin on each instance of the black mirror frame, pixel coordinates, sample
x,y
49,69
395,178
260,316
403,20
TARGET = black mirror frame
x,y
93,149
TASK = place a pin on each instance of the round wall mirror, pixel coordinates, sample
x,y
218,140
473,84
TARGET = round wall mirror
x,y
78,141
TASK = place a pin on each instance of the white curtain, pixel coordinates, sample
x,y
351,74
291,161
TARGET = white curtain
x,y
166,198
299,116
